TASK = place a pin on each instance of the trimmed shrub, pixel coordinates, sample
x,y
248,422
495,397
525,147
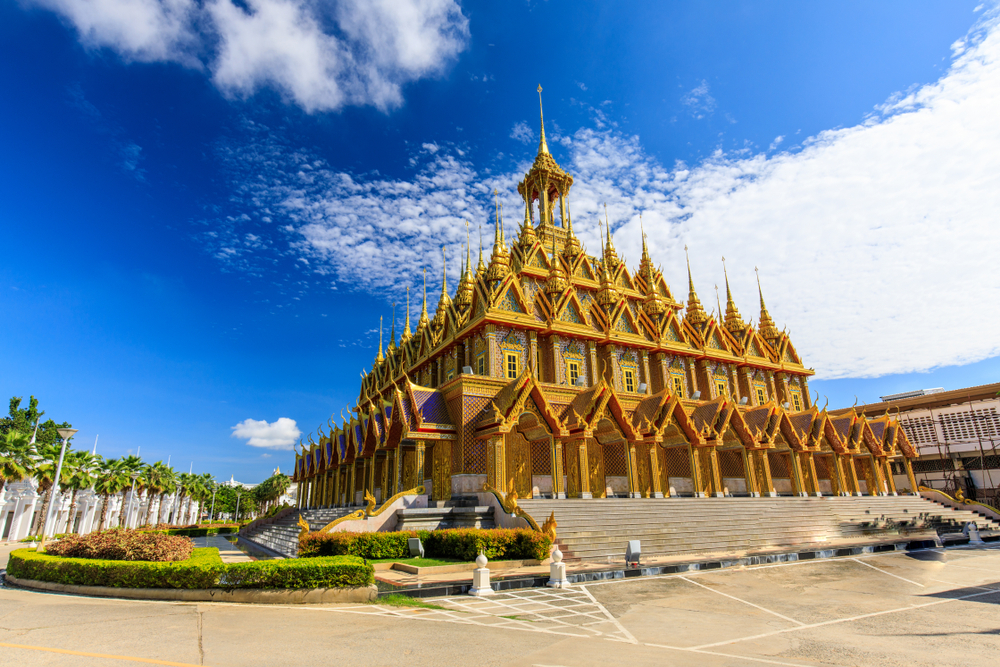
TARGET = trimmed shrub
x,y
328,572
458,544
203,570
117,544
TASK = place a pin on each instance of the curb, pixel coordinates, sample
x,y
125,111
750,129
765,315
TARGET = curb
x,y
241,595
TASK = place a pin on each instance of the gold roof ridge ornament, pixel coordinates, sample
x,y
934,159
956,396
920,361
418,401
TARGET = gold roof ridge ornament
x,y
407,334
734,323
695,312
379,359
444,300
499,260
766,326
392,332
572,247
543,147
463,297
481,267
610,256
424,321
556,283
607,296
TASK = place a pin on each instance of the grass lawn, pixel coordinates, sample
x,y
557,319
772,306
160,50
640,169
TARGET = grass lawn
x,y
420,562
397,600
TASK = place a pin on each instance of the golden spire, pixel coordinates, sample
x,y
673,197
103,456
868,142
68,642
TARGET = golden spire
x,y
407,334
444,299
542,146
463,296
379,358
734,323
481,267
571,248
392,333
556,284
611,257
499,260
695,313
527,236
718,304
767,327
424,320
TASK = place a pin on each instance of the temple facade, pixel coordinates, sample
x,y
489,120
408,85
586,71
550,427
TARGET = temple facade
x,y
552,372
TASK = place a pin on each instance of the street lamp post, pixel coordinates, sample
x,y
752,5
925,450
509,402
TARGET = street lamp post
x,y
65,434
237,508
131,498
211,514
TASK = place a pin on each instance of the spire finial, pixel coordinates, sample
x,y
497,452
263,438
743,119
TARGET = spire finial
x,y
718,304
423,314
542,146
392,332
468,251
481,267
767,327
406,331
379,357
734,322
444,274
695,313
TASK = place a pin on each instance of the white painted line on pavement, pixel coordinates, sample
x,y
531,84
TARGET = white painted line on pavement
x,y
909,581
733,597
607,613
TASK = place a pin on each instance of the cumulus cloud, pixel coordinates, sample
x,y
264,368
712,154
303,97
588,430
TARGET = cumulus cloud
x,y
321,56
875,243
522,132
699,101
280,434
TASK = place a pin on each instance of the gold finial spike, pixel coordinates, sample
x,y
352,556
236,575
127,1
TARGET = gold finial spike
x,y
406,331
423,313
481,267
718,304
767,327
496,223
468,250
690,279
379,357
542,146
444,275
392,332
569,220
503,241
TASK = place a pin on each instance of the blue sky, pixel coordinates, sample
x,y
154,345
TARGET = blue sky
x,y
206,207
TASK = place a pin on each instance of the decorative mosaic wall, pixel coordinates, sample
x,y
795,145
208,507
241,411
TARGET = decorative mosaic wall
x,y
615,460
473,455
541,458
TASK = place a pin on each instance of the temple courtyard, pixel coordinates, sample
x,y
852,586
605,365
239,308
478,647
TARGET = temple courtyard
x,y
932,607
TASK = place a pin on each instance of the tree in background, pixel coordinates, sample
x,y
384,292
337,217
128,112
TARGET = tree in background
x,y
44,472
112,479
25,419
83,467
16,453
271,489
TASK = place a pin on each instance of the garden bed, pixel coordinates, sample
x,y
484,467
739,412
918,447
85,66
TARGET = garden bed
x,y
459,544
203,570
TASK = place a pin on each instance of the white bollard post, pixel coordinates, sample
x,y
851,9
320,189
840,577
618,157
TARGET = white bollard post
x,y
481,578
557,571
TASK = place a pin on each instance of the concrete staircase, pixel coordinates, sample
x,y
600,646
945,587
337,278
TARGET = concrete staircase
x,y
459,512
319,518
598,530
282,536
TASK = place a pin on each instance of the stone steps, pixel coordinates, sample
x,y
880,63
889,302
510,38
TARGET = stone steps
x,y
281,536
438,518
599,529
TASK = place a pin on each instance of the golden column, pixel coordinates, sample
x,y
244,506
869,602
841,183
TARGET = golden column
x,y
496,463
797,482
696,473
810,469
336,487
908,464
441,470
851,473
421,451
711,467
654,471
352,478
748,471
764,480
889,479
558,486
634,490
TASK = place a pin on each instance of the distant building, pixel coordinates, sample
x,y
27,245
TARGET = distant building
x,y
956,432
233,483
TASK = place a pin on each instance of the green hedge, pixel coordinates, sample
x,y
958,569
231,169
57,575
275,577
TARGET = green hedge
x,y
458,544
197,532
203,570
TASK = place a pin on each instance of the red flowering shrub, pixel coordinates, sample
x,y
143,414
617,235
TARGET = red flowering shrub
x,y
118,544
458,543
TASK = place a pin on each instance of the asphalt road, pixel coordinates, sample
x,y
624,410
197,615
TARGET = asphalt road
x,y
927,608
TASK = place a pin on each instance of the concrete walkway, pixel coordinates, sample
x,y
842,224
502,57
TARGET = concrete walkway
x,y
227,550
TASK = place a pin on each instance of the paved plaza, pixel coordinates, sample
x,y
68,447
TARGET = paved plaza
x,y
939,607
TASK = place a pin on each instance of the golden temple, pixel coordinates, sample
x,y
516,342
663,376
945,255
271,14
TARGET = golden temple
x,y
554,373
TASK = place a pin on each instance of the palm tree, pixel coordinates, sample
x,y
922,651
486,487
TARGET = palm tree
x,y
15,457
168,485
155,478
44,471
134,469
112,479
83,466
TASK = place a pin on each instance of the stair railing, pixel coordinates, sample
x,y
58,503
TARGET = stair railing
x,y
369,510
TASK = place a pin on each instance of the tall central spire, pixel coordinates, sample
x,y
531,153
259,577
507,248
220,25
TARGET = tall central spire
x,y
767,327
379,358
542,146
734,323
695,313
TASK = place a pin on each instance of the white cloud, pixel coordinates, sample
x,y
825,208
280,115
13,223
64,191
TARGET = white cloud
x,y
280,434
698,100
522,132
321,56
876,243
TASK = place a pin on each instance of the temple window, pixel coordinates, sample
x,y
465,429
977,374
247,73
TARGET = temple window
x,y
678,386
720,388
481,364
761,396
573,371
629,376
796,401
511,365
451,375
